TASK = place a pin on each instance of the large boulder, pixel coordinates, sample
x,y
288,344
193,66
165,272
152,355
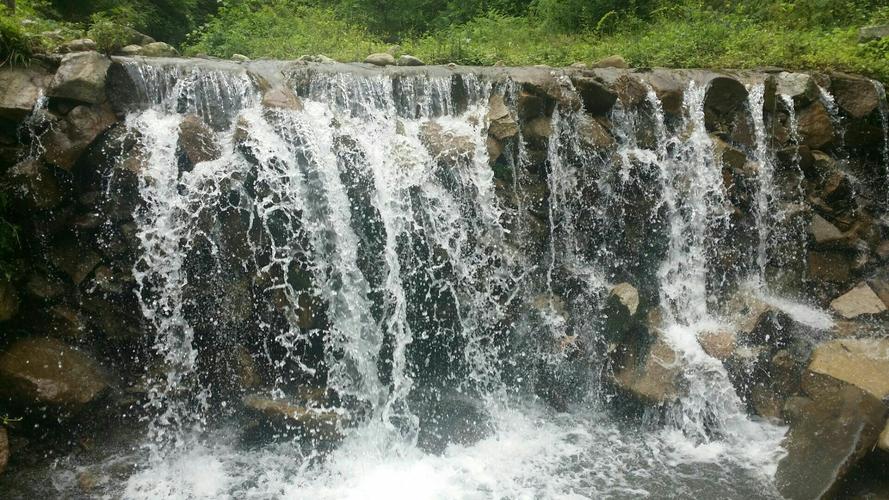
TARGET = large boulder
x,y
863,363
81,77
77,45
856,95
829,434
647,367
800,87
159,49
307,412
621,310
196,143
871,33
381,59
67,141
597,98
408,60
281,97
444,145
501,124
19,89
43,371
858,301
34,185
816,126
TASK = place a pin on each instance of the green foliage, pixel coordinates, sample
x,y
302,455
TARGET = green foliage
x,y
15,45
108,34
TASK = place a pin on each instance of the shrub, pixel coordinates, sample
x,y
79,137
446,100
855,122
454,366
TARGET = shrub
x,y
15,45
108,35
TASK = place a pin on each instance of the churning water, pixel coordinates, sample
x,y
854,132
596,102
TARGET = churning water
x,y
364,242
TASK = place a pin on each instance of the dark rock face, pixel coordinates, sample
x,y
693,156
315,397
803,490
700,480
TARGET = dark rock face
x,y
828,435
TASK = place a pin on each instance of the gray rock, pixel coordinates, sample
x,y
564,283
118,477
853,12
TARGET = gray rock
x,y
81,77
306,410
159,49
863,363
282,97
801,87
19,90
444,145
870,33
196,143
613,61
239,58
317,58
856,95
815,126
78,45
131,50
380,59
858,301
823,231
43,371
597,98
408,60
66,142
828,436
650,375
501,124
74,259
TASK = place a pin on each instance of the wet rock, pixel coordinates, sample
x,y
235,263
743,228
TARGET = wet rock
x,y
594,136
883,441
855,95
828,436
4,449
501,124
282,98
66,142
450,417
445,145
670,90
81,77
823,231
159,49
648,368
35,186
78,45
815,126
196,143
19,90
74,259
9,300
800,87
597,98
613,61
537,133
408,60
63,322
317,58
380,59
859,301
43,371
130,50
725,110
830,266
43,287
871,33
863,363
718,344
308,413
240,58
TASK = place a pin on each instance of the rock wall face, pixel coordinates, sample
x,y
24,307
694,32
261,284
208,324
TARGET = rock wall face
x,y
684,186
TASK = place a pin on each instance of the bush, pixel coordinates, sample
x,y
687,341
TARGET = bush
x,y
15,45
108,35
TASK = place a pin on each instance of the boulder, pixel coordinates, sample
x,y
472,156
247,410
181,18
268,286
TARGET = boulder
x,y
43,287
863,363
597,98
281,97
4,449
829,434
78,45
35,186
830,265
800,87
240,58
448,416
856,95
613,61
883,441
537,133
317,58
649,371
594,136
66,142
501,124
196,143
445,145
9,300
725,109
858,301
381,59
815,126
719,344
823,231
19,89
43,371
74,259
871,33
81,78
620,311
408,60
130,50
306,411
159,49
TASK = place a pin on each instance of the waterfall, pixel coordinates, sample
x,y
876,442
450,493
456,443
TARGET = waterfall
x,y
766,196
884,121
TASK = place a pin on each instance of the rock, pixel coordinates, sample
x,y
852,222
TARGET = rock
x,y
856,95
627,295
159,49
501,124
537,132
43,371
800,87
828,436
66,142
614,61
620,311
130,50
718,344
447,416
594,136
74,259
579,65
35,185
858,301
863,363
408,60
9,300
4,449
306,412
871,33
815,126
445,145
196,143
240,58
883,441
81,77
653,376
78,45
725,105
823,231
317,58
380,59
62,322
282,98
19,90
830,266
597,98
44,287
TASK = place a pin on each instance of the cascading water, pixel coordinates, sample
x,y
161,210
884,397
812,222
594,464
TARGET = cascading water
x,y
363,244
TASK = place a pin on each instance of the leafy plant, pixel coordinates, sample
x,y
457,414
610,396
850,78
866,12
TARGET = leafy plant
x,y
108,34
